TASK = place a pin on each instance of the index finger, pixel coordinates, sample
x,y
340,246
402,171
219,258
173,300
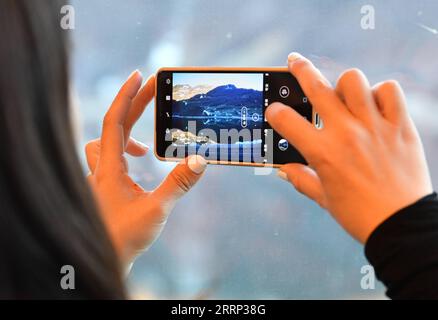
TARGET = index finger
x,y
139,103
112,140
316,87
293,127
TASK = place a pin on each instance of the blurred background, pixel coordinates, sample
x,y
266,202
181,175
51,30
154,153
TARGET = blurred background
x,y
238,235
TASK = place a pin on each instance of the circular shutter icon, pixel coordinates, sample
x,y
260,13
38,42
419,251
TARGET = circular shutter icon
x,y
283,144
284,92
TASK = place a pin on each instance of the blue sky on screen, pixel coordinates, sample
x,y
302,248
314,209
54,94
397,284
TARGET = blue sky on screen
x,y
240,80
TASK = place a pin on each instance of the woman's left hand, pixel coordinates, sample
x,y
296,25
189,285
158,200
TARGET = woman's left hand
x,y
134,217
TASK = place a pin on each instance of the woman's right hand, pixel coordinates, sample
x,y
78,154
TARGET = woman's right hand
x,y
367,162
134,217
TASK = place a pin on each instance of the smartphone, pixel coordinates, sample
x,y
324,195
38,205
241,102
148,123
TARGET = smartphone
x,y
219,113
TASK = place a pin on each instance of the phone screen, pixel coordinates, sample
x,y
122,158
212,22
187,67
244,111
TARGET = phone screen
x,y
221,115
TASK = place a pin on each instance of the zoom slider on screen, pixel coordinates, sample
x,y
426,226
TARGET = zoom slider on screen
x,y
243,117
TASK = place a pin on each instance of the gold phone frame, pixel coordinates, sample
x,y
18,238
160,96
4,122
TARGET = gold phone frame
x,y
213,69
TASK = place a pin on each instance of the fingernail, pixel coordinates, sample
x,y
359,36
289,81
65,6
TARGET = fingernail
x,y
135,73
150,78
196,163
141,144
293,56
282,175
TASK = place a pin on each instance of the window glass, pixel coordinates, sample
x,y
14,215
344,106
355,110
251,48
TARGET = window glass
x,y
236,234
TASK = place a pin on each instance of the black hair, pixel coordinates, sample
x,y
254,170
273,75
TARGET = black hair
x,y
48,217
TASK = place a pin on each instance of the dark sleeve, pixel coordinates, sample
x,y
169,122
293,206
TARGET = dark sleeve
x,y
404,251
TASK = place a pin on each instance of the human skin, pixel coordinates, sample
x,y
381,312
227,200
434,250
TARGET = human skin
x,y
367,162
133,216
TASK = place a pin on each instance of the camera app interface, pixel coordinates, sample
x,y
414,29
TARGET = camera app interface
x,y
219,115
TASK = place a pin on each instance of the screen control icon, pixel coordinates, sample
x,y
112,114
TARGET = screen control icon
x,y
284,92
243,117
283,144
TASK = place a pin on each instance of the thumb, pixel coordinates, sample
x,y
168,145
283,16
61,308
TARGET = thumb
x,y
305,180
180,180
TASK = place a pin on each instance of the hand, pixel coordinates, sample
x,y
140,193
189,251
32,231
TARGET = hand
x,y
134,217
367,162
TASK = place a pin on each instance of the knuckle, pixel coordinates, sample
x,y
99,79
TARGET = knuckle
x,y
321,159
299,65
108,119
282,115
320,155
318,87
281,120
92,145
181,180
320,201
389,86
352,135
89,148
296,181
357,139
409,132
349,75
350,141
99,177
